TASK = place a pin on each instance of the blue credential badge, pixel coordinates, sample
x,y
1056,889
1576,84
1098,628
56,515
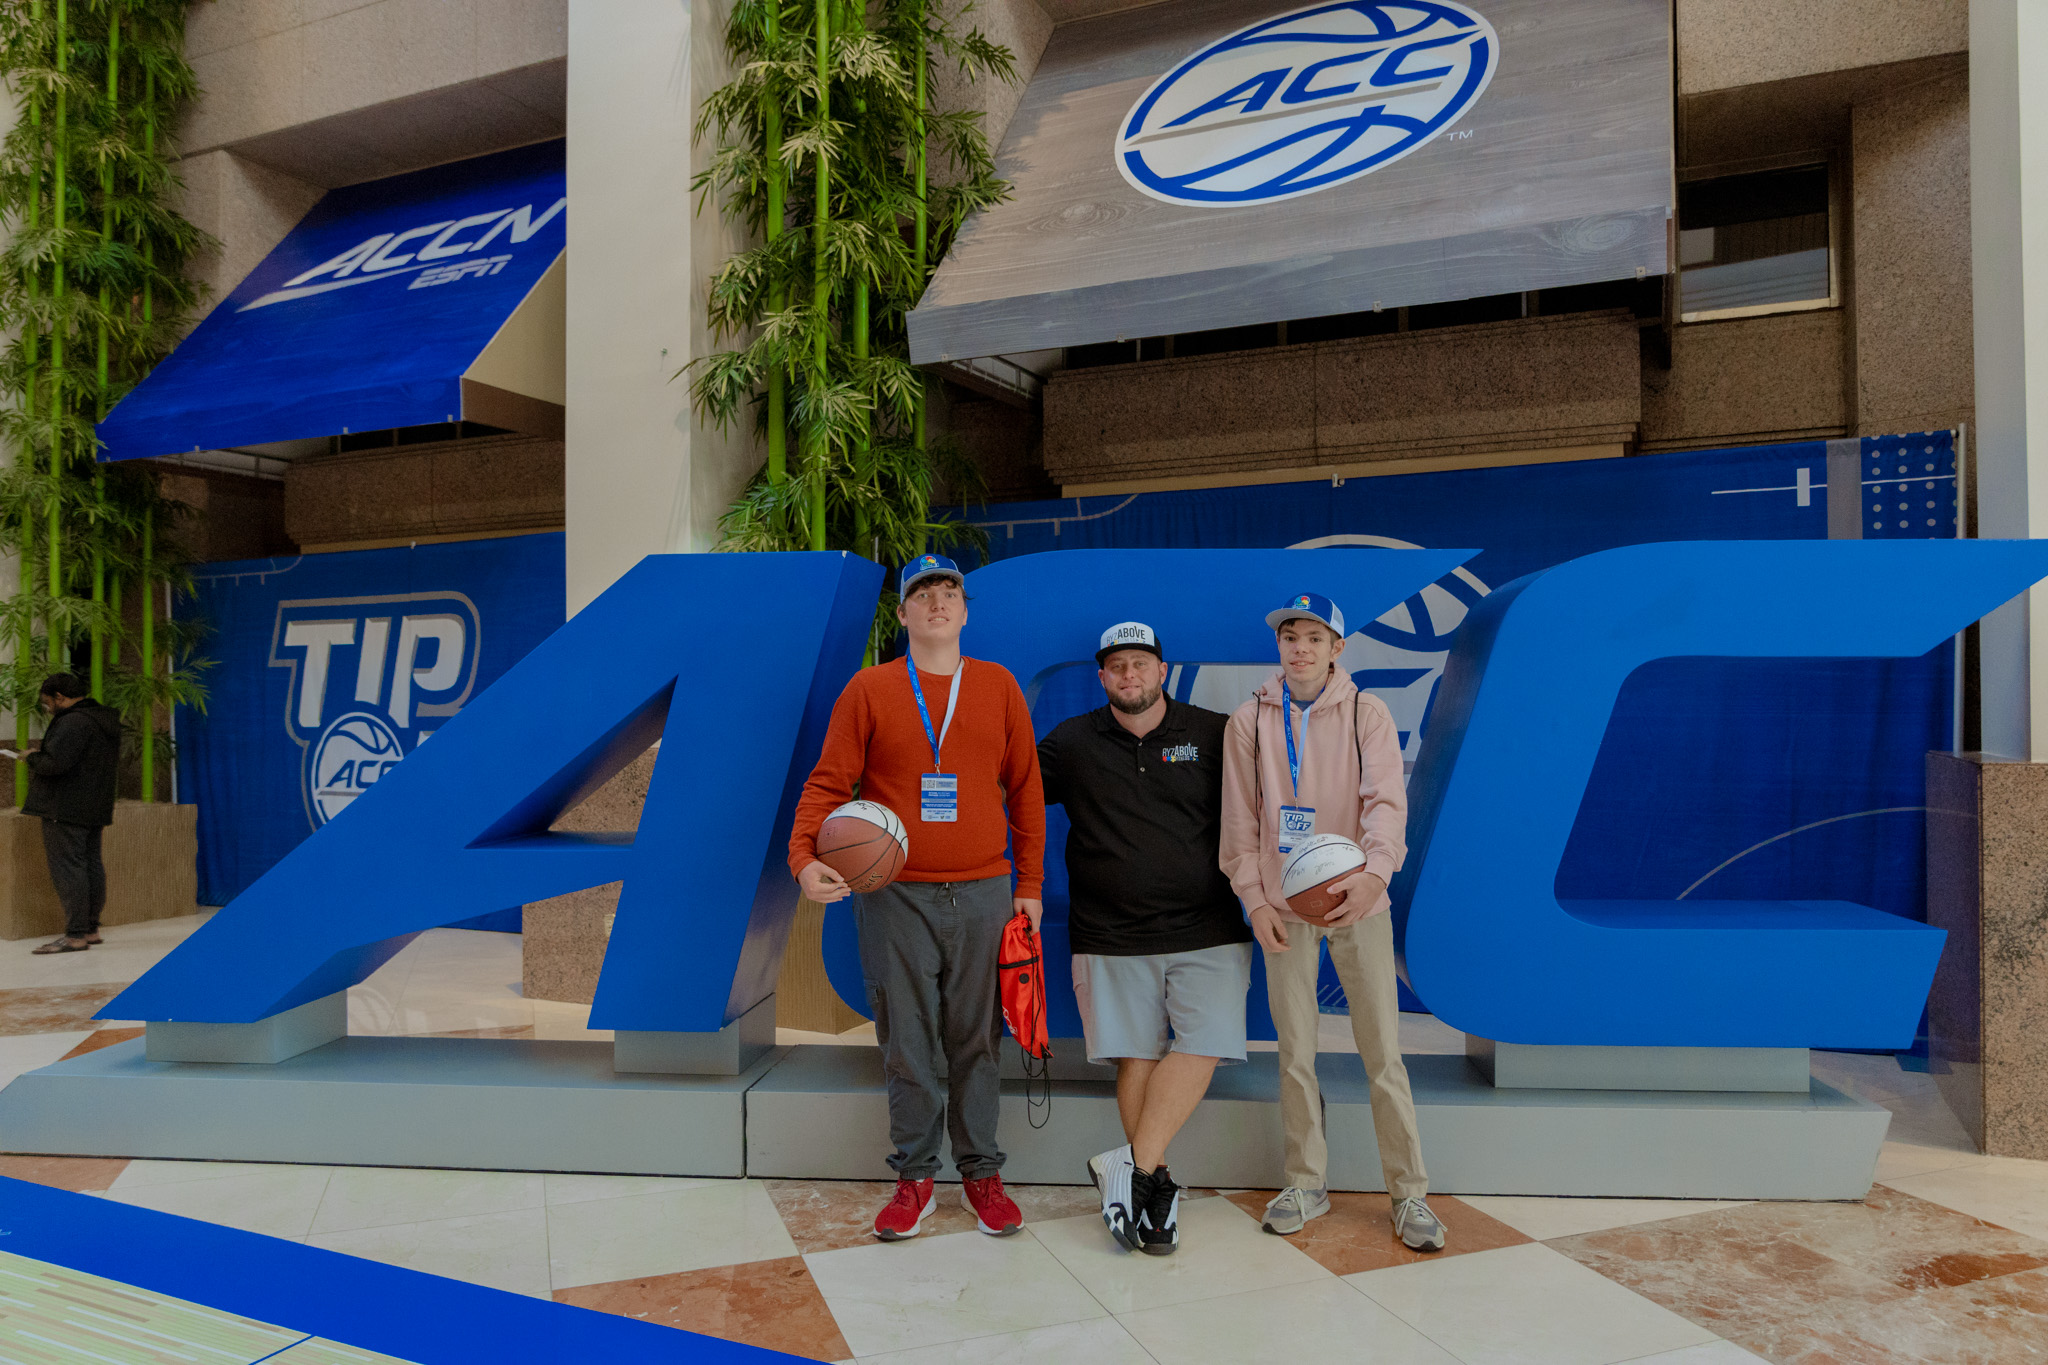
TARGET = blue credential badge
x,y
938,799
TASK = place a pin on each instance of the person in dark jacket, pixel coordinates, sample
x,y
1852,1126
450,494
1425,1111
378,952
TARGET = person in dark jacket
x,y
72,788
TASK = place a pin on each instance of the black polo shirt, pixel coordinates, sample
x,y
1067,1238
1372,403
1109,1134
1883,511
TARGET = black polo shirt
x,y
1145,815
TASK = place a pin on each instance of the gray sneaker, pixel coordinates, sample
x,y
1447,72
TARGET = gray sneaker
x,y
1292,1208
1416,1226
1112,1171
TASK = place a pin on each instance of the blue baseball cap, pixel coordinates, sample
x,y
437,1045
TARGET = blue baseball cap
x,y
927,566
1312,605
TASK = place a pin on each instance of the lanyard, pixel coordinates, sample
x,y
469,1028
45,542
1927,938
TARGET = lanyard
x,y
917,690
1293,759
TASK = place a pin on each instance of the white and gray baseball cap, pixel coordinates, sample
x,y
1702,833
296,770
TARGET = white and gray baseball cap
x,y
1128,635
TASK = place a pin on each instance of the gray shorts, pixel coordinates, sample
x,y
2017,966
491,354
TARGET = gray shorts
x,y
1129,1003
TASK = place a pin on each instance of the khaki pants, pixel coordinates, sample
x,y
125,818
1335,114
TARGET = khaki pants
x,y
1363,954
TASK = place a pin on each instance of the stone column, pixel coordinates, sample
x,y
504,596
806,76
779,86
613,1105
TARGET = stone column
x,y
2009,293
642,476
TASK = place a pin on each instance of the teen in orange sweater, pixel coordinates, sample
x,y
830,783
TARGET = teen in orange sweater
x,y
955,758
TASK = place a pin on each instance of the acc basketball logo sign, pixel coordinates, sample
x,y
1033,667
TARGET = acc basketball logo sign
x,y
1305,101
371,678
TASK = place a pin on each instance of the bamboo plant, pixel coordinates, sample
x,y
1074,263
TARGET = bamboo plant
x,y
824,137
92,294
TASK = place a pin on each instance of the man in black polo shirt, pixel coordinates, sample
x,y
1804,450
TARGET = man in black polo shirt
x,y
1159,939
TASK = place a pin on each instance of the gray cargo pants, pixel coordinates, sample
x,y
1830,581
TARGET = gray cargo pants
x,y
928,953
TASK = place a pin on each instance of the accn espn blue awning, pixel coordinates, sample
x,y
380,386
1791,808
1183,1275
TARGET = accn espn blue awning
x,y
369,315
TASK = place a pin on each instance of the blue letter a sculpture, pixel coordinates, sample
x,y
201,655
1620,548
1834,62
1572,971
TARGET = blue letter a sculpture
x,y
733,660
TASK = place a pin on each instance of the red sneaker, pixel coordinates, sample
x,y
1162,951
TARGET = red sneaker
x,y
906,1212
994,1212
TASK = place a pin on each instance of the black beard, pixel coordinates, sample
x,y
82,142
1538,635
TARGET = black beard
x,y
1138,707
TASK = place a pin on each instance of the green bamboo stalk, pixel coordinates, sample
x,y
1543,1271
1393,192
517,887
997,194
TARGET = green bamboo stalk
x,y
921,220
821,283
24,646
53,510
99,481
778,380
149,654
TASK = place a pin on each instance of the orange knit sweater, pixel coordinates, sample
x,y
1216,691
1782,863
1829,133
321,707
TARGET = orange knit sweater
x,y
877,741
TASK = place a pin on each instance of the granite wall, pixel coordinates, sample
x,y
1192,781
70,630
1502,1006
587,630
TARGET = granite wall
x,y
1911,223
1987,885
1536,383
483,485
1747,381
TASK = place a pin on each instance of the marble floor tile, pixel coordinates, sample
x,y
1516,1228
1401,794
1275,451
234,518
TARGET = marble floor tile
x,y
578,1189
1898,1160
105,1037
33,1051
1544,1217
637,1236
1526,1303
2004,1190
566,1023
1824,1283
504,1031
773,1304
1358,1231
148,1171
1712,1353
129,951
1222,1251
78,1174
1320,1320
379,1196
507,1251
314,1351
53,1009
278,1201
1097,1341
824,1215
893,1296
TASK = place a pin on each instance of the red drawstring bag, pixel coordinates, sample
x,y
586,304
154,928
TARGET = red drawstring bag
x,y
1020,975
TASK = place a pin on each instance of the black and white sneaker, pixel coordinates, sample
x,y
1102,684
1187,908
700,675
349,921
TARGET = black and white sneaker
x,y
1112,1172
1159,1219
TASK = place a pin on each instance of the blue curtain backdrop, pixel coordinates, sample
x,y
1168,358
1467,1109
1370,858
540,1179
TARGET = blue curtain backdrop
x,y
1721,778
267,763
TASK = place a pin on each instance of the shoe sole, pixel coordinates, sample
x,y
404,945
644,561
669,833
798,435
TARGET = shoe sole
x,y
930,1207
968,1204
1437,1245
1161,1248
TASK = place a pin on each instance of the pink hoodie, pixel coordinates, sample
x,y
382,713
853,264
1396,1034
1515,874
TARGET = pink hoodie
x,y
1351,777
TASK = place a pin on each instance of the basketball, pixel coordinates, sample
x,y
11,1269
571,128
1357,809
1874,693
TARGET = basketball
x,y
864,843
1306,875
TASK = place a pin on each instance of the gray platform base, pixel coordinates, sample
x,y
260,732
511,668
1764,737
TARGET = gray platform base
x,y
810,1116
819,1112
261,1042
1525,1066
483,1104
728,1052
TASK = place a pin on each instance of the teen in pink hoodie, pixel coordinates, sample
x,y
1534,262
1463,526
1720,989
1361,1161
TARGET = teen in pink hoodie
x,y
1339,772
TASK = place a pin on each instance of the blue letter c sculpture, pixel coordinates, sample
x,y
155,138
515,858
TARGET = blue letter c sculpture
x,y
1519,718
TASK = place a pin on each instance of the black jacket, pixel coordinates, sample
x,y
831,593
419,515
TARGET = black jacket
x,y
1142,874
73,773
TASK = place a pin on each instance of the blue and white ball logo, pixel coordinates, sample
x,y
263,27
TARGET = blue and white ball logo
x,y
1307,100
348,758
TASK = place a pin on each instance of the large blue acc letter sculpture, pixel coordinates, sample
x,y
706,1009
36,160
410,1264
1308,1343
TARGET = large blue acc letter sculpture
x,y
674,650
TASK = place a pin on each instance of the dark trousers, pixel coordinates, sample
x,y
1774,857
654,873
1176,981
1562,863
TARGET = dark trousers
x,y
73,852
928,953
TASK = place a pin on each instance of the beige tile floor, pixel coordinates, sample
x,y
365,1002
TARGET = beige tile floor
x,y
1558,1281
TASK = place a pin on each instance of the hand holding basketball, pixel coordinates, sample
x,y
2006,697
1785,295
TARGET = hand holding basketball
x,y
1361,891
864,845
822,885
